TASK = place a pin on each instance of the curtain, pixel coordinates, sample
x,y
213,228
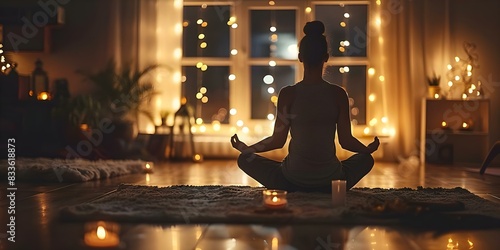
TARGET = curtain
x,y
415,36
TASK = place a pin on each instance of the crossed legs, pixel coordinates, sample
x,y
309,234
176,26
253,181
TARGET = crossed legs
x,y
268,172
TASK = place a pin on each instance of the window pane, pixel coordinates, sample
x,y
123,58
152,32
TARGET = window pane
x,y
353,79
207,92
266,84
206,27
272,34
345,27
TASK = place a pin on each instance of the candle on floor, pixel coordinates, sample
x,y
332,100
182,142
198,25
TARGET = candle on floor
x,y
197,158
148,167
338,193
274,199
101,234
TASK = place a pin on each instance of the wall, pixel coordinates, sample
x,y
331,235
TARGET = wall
x,y
84,42
478,22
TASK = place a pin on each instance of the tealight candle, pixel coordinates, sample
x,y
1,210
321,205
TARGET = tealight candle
x,y
338,193
274,199
148,167
197,158
444,125
101,234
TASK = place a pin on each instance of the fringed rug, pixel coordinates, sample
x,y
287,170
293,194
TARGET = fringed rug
x,y
71,170
435,207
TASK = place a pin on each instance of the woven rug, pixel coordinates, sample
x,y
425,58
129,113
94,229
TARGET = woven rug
x,y
436,207
70,170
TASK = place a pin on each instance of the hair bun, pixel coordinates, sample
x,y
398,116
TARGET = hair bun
x,y
314,28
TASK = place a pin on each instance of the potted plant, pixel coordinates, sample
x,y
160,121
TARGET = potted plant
x,y
123,93
433,89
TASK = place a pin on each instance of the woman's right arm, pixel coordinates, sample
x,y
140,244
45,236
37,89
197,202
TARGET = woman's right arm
x,y
346,139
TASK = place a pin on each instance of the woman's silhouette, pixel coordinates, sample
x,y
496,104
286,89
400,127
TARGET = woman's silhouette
x,y
311,110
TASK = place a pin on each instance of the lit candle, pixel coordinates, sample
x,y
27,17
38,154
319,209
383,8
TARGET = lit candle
x,y
102,234
197,158
148,167
274,199
465,126
43,96
338,193
444,125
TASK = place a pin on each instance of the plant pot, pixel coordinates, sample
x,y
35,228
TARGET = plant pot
x,y
432,91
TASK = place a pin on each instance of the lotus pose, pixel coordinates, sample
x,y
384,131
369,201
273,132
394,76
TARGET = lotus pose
x,y
312,110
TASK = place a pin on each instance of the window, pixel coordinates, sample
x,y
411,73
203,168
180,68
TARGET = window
x,y
206,61
273,43
346,33
237,56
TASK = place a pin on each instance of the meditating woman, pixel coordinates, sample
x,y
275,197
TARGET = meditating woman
x,y
311,110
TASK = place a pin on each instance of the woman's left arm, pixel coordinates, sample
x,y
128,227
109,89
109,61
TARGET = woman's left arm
x,y
281,127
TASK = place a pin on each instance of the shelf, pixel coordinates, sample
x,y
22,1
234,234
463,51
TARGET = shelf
x,y
451,132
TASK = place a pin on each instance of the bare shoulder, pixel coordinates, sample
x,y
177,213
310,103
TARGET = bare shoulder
x,y
337,90
286,92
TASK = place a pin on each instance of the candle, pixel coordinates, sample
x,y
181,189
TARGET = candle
x,y
338,193
148,167
444,125
274,199
197,158
101,234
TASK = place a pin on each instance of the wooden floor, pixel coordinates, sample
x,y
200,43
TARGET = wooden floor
x,y
38,227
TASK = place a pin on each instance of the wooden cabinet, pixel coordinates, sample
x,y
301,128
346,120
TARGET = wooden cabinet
x,y
454,131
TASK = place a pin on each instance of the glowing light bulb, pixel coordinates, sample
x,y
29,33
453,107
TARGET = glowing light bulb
x,y
371,71
204,67
346,69
449,66
201,36
239,123
270,117
457,78
232,77
342,24
381,78
469,67
199,21
234,52
346,15
203,45
457,59
233,111
199,64
308,10
199,95
234,25
199,121
204,99
203,90
366,130
272,29
268,79
450,83
371,97
204,24
272,63
270,90
272,3
373,122
384,119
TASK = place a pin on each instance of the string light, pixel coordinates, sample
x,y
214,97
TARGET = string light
x,y
234,52
308,10
232,77
233,111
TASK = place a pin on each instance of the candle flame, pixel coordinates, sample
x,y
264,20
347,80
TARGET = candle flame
x,y
101,232
275,199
